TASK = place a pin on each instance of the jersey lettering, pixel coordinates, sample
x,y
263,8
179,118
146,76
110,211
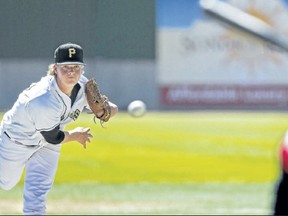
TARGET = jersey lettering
x,y
74,115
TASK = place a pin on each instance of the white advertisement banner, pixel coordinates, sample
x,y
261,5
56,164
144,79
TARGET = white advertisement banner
x,y
201,60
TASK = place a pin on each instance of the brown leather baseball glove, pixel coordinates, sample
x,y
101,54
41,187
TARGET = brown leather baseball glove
x,y
97,101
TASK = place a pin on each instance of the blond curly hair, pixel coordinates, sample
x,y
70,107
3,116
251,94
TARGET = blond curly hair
x,y
51,70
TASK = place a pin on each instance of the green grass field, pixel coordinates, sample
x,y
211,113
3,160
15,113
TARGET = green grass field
x,y
168,163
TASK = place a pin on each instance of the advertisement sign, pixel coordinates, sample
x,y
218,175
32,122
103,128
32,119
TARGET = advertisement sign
x,y
203,61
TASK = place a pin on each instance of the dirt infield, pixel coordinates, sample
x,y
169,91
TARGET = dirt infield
x,y
10,207
68,207
72,207
149,199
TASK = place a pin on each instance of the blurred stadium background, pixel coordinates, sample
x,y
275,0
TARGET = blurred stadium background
x,y
172,56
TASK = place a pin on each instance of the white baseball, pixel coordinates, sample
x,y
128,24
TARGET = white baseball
x,y
136,108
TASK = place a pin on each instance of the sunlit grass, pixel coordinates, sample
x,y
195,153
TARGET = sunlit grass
x,y
177,148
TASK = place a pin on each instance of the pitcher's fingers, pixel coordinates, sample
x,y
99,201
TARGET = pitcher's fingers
x,y
86,130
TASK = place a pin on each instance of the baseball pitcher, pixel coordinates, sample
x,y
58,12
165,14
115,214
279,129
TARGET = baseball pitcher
x,y
32,131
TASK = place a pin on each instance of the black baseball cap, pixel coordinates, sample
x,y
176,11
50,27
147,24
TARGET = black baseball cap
x,y
69,53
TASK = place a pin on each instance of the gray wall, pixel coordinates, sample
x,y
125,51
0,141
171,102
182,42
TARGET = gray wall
x,y
121,29
121,80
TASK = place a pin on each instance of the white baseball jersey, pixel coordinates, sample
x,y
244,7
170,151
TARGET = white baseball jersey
x,y
39,110
42,107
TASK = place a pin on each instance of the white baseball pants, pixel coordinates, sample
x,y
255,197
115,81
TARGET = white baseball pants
x,y
41,163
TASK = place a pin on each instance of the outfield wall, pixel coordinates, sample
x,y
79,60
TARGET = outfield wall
x,y
121,80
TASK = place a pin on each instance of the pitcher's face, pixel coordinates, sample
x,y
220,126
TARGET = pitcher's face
x,y
69,74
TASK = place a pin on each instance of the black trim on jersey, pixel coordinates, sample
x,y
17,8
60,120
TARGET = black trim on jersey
x,y
54,136
74,93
